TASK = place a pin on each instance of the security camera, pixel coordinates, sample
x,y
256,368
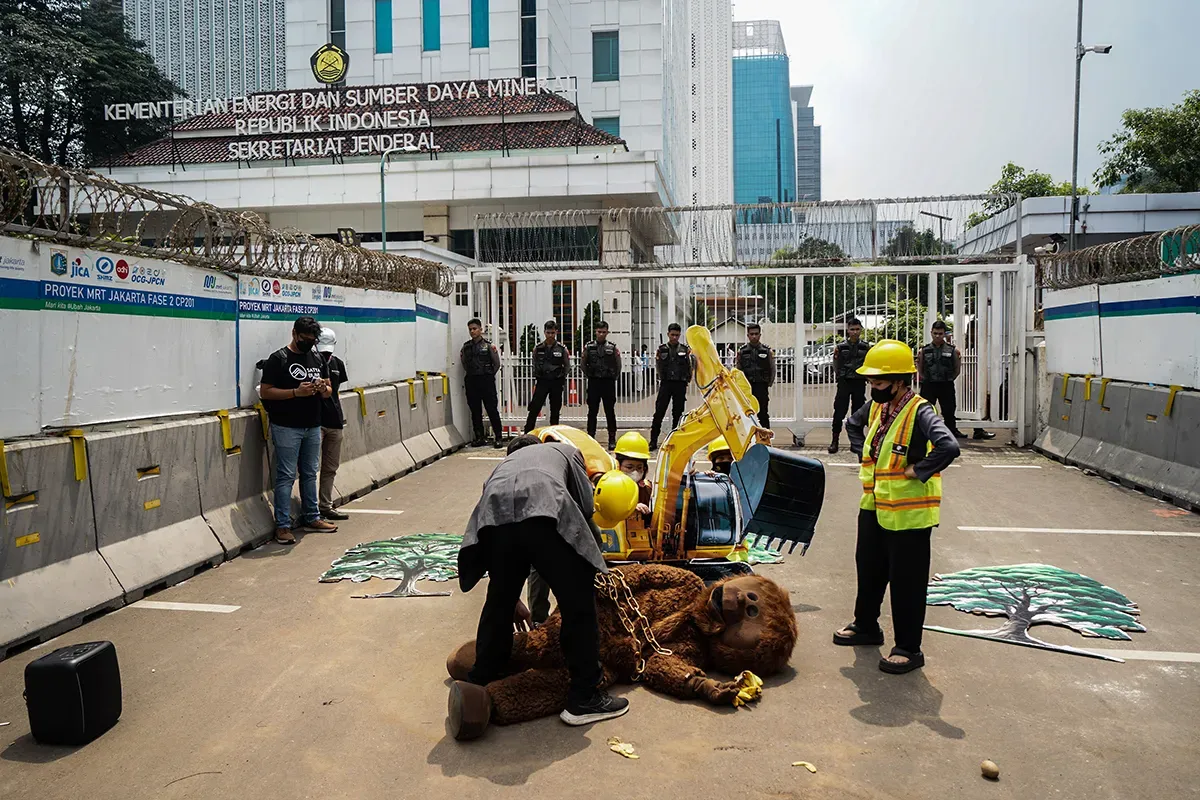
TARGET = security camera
x,y
1102,49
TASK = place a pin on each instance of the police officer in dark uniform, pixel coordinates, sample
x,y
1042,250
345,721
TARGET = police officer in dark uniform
x,y
757,363
938,364
550,364
674,362
481,360
601,363
848,356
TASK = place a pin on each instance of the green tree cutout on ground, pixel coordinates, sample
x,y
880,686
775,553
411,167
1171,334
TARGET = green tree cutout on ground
x,y
408,559
1036,594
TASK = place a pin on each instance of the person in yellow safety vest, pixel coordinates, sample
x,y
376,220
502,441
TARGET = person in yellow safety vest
x,y
904,446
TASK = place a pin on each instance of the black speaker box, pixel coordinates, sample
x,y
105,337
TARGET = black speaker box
x,y
73,694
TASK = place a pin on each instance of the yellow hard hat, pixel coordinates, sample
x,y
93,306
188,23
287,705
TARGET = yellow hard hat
x,y
888,357
717,445
633,445
615,498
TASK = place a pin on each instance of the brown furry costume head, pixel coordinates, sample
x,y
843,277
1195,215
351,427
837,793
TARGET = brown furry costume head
x,y
747,623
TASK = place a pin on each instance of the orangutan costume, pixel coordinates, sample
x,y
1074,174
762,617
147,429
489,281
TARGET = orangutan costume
x,y
739,625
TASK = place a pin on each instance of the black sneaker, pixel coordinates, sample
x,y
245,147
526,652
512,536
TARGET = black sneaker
x,y
334,514
982,435
602,706
957,434
499,445
480,442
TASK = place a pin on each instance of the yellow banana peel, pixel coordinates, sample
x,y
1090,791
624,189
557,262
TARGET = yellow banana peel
x,y
622,748
749,689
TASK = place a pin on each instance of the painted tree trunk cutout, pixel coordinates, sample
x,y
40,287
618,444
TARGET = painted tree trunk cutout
x,y
1036,594
408,559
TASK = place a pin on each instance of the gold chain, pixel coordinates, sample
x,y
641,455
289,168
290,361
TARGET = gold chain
x,y
613,584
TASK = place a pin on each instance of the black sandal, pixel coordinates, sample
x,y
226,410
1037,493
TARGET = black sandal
x,y
915,661
858,637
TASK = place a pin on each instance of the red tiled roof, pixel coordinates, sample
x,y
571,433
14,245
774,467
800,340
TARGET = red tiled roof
x,y
483,106
452,138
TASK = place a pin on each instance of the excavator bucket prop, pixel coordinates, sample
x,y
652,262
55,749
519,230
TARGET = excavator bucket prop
x,y
783,493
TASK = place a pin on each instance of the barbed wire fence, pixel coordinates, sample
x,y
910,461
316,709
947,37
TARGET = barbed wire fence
x,y
86,209
1171,252
922,230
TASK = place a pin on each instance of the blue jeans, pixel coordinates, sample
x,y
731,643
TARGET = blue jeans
x,y
296,447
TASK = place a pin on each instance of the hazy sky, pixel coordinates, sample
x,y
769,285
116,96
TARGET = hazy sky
x,y
925,97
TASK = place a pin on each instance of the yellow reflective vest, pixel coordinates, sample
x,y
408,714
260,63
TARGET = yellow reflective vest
x,y
899,503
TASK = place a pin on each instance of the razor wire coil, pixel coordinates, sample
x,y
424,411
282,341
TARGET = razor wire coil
x,y
1155,255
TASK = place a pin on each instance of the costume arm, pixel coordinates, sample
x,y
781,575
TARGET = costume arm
x,y
678,677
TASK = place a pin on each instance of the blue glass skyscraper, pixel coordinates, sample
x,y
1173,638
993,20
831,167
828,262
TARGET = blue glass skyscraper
x,y
764,139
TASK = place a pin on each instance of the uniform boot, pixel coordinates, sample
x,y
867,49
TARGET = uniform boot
x,y
612,441
835,444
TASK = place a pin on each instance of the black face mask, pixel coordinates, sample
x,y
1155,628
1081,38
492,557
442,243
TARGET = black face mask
x,y
883,395
305,345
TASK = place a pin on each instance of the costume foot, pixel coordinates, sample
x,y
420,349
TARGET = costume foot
x,y
460,662
469,710
602,706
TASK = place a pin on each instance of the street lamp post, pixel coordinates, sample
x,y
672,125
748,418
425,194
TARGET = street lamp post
x,y
941,228
1080,52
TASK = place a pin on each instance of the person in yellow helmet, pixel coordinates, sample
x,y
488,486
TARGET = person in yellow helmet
x,y
720,456
904,446
633,458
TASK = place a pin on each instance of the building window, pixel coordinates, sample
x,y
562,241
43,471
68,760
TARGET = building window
x,y
480,26
383,26
337,23
606,56
462,294
610,125
528,38
563,306
431,18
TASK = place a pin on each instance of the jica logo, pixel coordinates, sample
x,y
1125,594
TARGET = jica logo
x,y
79,269
105,268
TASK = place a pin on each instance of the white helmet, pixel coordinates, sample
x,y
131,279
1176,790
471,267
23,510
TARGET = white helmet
x,y
327,340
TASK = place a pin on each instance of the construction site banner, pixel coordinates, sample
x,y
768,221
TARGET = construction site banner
x,y
380,337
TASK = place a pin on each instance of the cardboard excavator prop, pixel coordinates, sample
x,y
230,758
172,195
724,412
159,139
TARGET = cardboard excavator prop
x,y
702,522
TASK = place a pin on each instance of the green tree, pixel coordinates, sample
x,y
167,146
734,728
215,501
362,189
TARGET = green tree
x,y
1157,151
905,322
908,242
810,249
587,327
529,339
62,62
408,559
1027,183
1036,594
779,292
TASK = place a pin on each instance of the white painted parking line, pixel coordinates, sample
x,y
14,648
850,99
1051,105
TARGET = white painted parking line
x,y
1149,655
1010,466
209,607
1097,531
378,511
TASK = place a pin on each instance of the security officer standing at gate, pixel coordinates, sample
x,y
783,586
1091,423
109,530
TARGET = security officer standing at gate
x,y
938,367
601,366
757,363
674,361
851,387
550,364
481,360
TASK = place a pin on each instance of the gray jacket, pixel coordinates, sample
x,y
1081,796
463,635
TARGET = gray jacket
x,y
928,427
542,480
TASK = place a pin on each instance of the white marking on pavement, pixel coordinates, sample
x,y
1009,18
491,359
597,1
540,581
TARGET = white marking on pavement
x,y
485,458
1098,531
378,511
1149,655
212,608
1010,466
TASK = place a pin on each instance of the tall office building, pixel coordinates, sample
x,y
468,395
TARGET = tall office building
x,y
214,48
764,143
808,146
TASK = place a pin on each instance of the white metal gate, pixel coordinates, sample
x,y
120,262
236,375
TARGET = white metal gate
x,y
803,313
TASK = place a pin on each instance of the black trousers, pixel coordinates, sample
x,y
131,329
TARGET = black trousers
x,y
481,396
538,595
673,393
545,388
602,390
851,394
942,392
762,392
510,551
899,559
